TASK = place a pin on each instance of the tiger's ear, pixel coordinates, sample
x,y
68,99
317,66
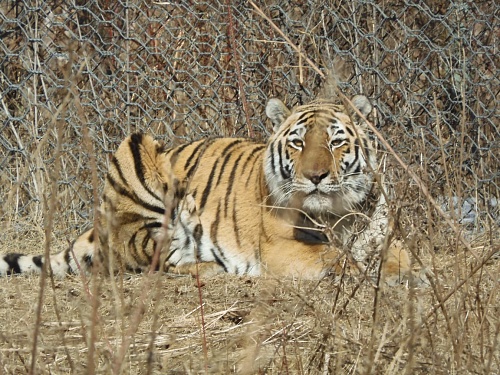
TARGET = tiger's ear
x,y
277,112
362,103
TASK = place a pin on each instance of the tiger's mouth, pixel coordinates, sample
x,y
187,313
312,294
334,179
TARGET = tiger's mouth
x,y
316,193
320,191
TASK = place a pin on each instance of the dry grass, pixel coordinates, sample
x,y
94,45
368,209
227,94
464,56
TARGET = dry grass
x,y
257,325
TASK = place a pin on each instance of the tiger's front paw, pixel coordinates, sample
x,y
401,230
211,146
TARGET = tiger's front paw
x,y
396,269
204,270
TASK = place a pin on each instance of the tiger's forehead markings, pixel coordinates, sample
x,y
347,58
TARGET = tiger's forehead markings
x,y
321,116
305,121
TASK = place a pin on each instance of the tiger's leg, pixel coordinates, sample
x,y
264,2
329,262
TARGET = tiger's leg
x,y
369,244
205,269
396,264
182,256
289,257
76,258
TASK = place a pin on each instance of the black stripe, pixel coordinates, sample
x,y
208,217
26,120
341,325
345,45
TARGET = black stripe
x,y
300,123
213,235
304,117
327,112
133,248
12,260
87,259
350,131
198,233
271,149
131,217
218,260
284,173
235,224
357,170
208,186
135,141
37,260
252,154
187,241
68,253
226,155
114,162
121,190
230,183
144,247
193,168
155,224
194,153
172,252
250,174
160,148
173,153
214,226
356,150
90,238
180,190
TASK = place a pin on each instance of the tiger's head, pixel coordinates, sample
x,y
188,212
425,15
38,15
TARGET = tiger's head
x,y
318,160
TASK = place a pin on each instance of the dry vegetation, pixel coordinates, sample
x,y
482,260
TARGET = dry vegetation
x,y
256,325
431,73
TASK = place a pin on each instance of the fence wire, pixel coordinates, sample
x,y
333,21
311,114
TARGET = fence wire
x,y
185,70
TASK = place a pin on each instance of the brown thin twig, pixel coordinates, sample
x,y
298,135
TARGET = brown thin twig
x,y
55,123
202,314
241,89
48,241
287,39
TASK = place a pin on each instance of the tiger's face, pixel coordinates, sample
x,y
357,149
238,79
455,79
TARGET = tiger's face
x,y
318,160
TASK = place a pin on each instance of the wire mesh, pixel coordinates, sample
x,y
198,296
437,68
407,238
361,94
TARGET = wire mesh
x,y
191,69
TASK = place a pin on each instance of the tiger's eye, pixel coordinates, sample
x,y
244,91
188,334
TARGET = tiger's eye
x,y
337,142
298,143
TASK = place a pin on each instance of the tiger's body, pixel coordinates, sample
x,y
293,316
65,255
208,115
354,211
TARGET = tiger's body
x,y
250,207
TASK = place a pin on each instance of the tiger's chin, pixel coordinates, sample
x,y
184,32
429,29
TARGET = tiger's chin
x,y
323,205
317,204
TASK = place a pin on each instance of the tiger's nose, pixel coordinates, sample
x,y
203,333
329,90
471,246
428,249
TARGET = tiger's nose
x,y
316,176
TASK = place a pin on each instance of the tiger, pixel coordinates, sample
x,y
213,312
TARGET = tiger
x,y
286,207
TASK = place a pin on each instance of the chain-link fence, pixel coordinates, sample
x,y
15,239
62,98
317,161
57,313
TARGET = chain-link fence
x,y
189,69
